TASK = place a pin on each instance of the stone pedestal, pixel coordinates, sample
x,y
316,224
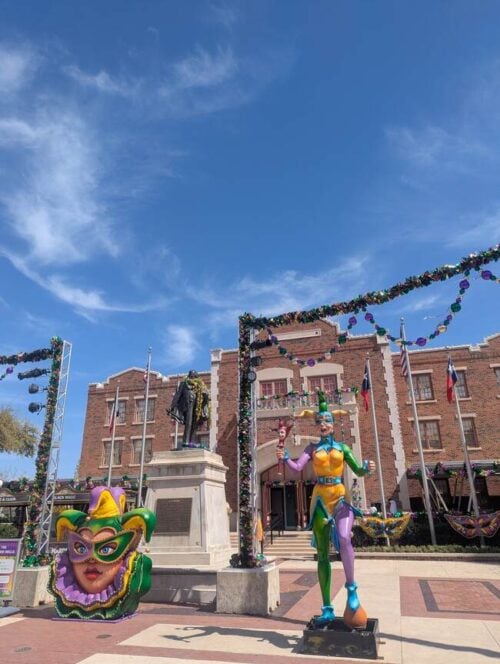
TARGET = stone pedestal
x,y
252,591
186,490
31,587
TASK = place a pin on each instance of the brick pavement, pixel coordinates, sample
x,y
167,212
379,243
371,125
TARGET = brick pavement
x,y
428,612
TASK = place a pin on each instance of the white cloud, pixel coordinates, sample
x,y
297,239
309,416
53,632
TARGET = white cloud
x,y
180,345
423,303
85,302
204,69
224,14
17,66
103,82
281,292
203,82
56,208
477,231
434,146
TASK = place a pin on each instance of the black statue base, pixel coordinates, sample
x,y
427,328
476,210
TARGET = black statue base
x,y
337,640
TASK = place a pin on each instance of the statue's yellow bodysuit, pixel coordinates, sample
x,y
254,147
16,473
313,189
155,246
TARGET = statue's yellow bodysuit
x,y
328,463
328,457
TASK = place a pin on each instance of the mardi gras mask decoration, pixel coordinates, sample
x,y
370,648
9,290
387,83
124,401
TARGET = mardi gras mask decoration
x,y
101,575
471,526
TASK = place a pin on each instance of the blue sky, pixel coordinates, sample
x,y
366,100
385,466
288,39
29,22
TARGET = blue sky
x,y
166,166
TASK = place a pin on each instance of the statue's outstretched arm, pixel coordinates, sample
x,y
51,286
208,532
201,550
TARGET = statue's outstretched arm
x,y
356,467
299,464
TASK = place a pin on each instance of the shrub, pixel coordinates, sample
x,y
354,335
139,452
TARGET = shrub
x,y
8,531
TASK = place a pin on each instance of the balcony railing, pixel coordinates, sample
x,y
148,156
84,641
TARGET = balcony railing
x,y
297,400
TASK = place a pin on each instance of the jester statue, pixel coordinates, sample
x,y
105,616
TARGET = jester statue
x,y
101,576
331,516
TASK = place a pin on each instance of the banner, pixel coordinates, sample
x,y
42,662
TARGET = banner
x,y
9,557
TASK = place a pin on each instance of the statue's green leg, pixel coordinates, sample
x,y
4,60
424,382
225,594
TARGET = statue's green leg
x,y
322,529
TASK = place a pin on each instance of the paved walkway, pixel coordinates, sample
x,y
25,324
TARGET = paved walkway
x,y
436,612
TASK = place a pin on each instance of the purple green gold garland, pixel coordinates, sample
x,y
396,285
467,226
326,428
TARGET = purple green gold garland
x,y
42,460
247,323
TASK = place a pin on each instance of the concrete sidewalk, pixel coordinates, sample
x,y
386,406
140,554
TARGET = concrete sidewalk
x,y
429,611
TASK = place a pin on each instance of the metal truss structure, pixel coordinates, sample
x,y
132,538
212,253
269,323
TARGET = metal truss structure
x,y
55,448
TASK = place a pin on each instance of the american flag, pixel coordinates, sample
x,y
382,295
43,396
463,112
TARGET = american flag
x,y
403,359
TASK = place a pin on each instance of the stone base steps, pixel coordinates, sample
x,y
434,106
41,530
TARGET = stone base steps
x,y
293,544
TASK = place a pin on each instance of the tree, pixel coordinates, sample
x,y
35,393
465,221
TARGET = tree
x,y
16,435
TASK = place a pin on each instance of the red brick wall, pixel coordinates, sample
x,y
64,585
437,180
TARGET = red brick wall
x,y
96,429
484,402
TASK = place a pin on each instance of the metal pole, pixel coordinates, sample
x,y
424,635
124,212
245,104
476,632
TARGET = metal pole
x,y
112,450
176,434
377,446
473,496
427,500
144,425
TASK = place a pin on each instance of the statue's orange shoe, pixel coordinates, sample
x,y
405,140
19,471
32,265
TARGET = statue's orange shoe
x,y
354,615
355,619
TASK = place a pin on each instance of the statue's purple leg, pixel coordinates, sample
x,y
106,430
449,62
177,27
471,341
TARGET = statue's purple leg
x,y
354,614
343,520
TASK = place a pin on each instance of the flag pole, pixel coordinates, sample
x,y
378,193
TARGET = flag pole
x,y
144,425
112,450
467,459
377,446
425,485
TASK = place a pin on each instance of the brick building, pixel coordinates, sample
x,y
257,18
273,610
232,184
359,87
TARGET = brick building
x,y
285,388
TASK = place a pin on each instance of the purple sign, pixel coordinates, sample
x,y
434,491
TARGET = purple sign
x,y
9,554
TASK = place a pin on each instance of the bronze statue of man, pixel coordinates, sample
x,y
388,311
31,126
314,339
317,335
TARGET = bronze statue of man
x,y
190,406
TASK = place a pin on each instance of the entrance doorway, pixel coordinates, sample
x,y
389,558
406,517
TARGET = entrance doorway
x,y
286,496
284,506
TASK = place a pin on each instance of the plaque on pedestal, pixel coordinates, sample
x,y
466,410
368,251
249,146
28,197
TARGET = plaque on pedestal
x,y
173,516
337,640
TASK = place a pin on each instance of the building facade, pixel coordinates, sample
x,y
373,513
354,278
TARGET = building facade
x,y
285,388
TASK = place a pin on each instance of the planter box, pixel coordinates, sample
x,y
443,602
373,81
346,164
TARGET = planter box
x,y
31,587
253,591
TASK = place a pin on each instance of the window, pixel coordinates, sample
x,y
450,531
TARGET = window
x,y
429,434
136,450
497,374
139,410
461,386
470,432
269,388
328,384
422,386
121,417
117,453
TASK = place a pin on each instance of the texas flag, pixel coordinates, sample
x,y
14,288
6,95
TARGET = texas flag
x,y
451,379
365,387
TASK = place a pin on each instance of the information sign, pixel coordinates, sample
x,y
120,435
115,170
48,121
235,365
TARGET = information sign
x,y
9,557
